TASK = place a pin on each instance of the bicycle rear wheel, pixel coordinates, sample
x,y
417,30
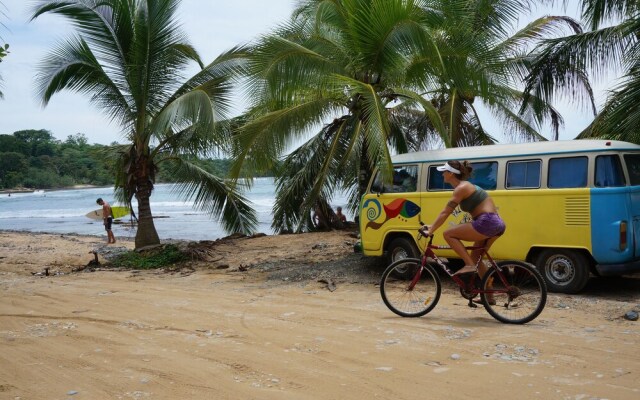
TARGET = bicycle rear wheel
x,y
414,296
518,299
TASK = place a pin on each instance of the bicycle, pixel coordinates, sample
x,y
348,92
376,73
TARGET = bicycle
x,y
511,291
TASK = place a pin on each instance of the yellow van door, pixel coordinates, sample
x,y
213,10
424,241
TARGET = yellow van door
x,y
390,209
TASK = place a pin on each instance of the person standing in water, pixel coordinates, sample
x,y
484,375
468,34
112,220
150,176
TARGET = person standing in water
x,y
107,219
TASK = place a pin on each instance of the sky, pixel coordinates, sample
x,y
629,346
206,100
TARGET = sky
x,y
212,26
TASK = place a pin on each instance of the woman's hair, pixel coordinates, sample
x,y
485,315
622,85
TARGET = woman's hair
x,y
464,167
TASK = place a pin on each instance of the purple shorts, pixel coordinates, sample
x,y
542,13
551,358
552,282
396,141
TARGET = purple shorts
x,y
489,224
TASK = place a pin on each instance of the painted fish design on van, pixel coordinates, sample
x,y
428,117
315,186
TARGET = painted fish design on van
x,y
398,208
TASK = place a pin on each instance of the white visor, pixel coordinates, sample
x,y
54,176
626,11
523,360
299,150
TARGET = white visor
x,y
447,167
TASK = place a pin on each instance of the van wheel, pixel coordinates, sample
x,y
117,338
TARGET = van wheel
x,y
564,271
398,249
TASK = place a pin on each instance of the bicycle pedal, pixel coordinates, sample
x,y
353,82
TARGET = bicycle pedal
x,y
472,304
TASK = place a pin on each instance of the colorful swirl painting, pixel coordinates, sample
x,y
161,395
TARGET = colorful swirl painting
x,y
398,208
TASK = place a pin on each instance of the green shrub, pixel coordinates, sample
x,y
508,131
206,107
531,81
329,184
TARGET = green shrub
x,y
168,255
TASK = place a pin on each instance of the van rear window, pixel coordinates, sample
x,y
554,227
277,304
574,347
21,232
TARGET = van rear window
x,y
608,171
633,167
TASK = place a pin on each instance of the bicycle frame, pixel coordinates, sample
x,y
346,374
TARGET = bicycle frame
x,y
411,287
470,289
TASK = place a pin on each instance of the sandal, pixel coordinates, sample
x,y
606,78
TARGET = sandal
x,y
467,269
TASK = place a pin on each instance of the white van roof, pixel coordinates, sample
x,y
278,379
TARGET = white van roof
x,y
514,150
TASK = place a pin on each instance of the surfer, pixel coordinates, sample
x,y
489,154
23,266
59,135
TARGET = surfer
x,y
107,219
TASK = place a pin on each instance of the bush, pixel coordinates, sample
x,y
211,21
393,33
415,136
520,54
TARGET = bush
x,y
167,255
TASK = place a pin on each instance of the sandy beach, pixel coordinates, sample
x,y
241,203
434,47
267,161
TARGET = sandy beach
x,y
287,317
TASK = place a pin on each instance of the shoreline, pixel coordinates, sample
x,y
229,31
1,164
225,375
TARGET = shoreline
x,y
30,190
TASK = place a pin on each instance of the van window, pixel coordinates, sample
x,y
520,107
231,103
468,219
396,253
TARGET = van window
x,y
436,180
405,179
523,174
569,172
633,167
484,175
608,171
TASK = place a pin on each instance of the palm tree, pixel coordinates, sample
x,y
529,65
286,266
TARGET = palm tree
x,y
391,76
611,42
128,57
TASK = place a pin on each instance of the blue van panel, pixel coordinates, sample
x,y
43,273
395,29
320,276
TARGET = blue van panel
x,y
634,207
609,207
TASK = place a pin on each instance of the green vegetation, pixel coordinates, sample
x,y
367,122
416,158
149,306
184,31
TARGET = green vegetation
x,y
35,159
368,78
165,256
611,43
129,57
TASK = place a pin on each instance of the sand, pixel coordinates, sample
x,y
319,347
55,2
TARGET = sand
x,y
288,317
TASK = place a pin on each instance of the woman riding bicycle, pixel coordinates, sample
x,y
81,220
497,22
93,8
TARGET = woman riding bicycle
x,y
486,225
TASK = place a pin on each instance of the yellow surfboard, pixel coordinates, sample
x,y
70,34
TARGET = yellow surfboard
x,y
118,212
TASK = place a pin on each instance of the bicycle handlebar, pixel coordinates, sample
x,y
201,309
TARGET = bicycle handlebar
x,y
421,233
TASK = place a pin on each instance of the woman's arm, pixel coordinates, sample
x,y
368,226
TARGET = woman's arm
x,y
444,214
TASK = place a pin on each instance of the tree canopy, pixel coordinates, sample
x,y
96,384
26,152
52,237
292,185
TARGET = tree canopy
x,y
369,78
129,58
610,43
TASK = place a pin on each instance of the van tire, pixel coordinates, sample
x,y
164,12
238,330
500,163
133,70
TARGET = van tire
x,y
400,248
564,271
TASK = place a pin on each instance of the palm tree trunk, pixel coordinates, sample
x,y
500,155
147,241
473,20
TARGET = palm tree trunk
x,y
364,171
146,234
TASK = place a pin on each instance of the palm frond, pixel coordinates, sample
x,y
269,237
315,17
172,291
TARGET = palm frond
x,y
220,199
560,64
263,138
620,116
597,12
217,79
187,123
517,127
72,66
310,176
540,29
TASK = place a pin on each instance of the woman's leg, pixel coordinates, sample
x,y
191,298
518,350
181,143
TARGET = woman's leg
x,y
475,254
465,232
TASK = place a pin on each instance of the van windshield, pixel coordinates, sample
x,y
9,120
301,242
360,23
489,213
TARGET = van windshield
x,y
405,179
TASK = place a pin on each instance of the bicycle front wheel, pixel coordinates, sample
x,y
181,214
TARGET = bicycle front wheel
x,y
514,295
409,289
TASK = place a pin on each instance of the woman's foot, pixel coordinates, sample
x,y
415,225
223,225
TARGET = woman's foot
x,y
466,269
490,299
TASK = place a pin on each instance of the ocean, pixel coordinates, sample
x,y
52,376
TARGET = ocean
x,y
63,211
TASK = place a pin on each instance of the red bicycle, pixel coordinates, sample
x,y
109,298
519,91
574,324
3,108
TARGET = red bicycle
x,y
512,292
